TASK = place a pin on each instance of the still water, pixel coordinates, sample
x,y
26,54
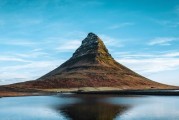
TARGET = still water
x,y
90,107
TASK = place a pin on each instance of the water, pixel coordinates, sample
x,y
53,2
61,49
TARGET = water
x,y
90,107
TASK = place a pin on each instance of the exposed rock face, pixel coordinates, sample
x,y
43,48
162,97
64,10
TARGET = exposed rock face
x,y
92,66
92,44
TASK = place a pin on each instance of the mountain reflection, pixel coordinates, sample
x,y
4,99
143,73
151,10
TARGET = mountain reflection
x,y
91,109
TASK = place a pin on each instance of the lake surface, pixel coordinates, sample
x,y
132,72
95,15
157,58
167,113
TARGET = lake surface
x,y
90,107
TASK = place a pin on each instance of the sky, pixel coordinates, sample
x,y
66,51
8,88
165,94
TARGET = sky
x,y
37,36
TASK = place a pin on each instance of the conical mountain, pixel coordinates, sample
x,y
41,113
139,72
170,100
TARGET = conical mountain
x,y
92,66
91,54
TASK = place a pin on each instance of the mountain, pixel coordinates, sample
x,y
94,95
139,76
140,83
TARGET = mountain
x,y
91,65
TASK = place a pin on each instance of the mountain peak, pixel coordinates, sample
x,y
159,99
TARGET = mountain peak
x,y
91,45
92,36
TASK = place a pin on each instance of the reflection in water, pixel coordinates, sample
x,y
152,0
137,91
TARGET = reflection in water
x,y
91,108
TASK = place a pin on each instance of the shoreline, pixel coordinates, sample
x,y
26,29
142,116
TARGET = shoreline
x,y
156,92
164,92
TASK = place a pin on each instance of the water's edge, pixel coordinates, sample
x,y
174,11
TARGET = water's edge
x,y
165,92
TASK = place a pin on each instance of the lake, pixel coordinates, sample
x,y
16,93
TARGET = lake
x,y
89,107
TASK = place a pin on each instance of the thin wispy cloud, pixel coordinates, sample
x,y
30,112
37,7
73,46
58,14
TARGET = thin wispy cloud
x,y
20,42
125,24
110,41
148,66
133,55
18,67
37,50
162,41
173,54
10,59
68,46
28,71
172,24
150,63
166,22
23,56
32,65
167,54
32,54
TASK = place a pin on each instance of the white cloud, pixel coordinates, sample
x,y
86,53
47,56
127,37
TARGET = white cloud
x,y
23,56
19,42
13,77
162,41
16,59
167,54
167,77
28,71
173,54
111,42
149,63
152,65
133,55
70,45
18,67
125,24
32,54
164,70
37,49
33,65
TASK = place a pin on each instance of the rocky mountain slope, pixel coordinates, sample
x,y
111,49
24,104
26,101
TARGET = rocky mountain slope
x,y
92,66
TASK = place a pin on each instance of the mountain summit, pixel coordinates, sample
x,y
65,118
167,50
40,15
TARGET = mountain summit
x,y
92,45
91,65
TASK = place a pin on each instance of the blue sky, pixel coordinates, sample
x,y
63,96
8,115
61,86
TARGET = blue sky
x,y
36,36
